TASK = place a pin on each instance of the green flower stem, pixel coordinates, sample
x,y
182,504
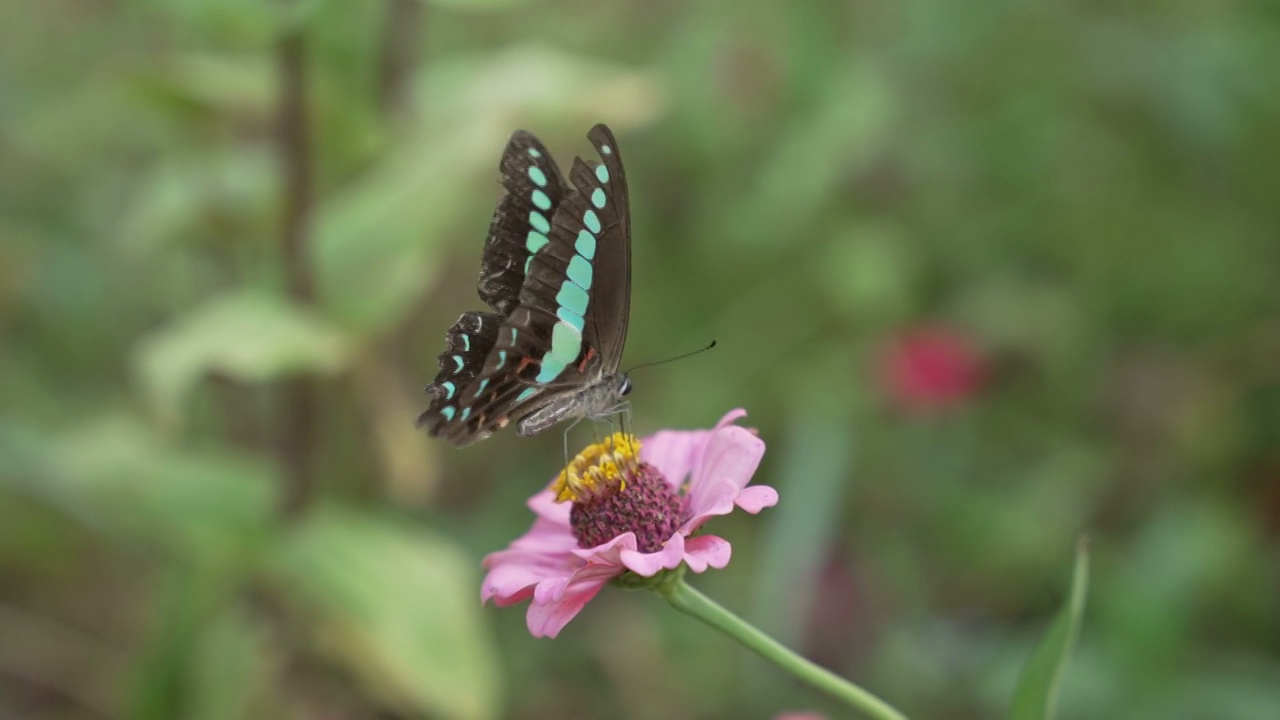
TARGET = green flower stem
x,y
693,603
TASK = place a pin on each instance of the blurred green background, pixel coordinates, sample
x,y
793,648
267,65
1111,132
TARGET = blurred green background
x,y
235,231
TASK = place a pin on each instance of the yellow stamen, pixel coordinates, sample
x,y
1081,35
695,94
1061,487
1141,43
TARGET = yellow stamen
x,y
600,466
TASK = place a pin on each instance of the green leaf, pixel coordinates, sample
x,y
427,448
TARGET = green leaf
x,y
804,170
204,658
377,243
239,23
113,475
229,674
476,4
231,84
173,205
868,271
1036,696
398,607
248,336
817,450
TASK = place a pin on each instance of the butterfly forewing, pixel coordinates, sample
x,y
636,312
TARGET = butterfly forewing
x,y
611,304
565,328
521,221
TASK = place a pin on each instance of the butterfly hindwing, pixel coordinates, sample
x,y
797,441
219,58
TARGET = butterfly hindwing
x,y
467,344
508,387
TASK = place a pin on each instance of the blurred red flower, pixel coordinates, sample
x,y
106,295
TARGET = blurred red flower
x,y
931,368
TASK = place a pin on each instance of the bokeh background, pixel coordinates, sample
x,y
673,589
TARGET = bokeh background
x,y
988,276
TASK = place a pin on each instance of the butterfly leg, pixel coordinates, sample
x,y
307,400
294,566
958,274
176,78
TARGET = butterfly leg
x,y
595,430
624,418
623,412
565,437
624,415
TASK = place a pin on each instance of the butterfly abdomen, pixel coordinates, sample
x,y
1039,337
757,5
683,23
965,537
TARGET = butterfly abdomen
x,y
597,400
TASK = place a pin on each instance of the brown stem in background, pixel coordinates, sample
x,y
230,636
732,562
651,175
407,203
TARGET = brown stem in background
x,y
409,475
401,41
298,396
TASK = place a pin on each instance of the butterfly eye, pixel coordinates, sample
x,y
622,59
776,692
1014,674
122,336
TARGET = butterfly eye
x,y
626,386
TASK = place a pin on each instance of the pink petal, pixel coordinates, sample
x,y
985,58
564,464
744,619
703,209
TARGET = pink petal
x,y
540,540
507,586
732,455
548,619
609,553
551,590
676,453
648,564
731,417
713,499
513,581
707,551
755,498
514,572
543,540
544,505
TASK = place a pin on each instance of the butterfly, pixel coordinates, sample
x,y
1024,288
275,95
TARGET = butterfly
x,y
556,273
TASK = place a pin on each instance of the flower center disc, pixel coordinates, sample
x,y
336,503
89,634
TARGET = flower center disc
x,y
613,493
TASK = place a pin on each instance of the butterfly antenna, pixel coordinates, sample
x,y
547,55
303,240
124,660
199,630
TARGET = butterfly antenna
x,y
672,359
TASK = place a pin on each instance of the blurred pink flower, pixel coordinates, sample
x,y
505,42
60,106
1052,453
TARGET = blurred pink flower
x,y
931,368
549,564
800,716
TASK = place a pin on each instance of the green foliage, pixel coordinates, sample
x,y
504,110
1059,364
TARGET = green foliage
x,y
248,337
398,608
1085,194
1036,697
114,474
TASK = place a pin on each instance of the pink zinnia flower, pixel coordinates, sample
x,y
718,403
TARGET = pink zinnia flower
x,y
627,516
931,368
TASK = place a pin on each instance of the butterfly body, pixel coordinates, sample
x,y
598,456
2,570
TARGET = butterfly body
x,y
597,400
557,274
